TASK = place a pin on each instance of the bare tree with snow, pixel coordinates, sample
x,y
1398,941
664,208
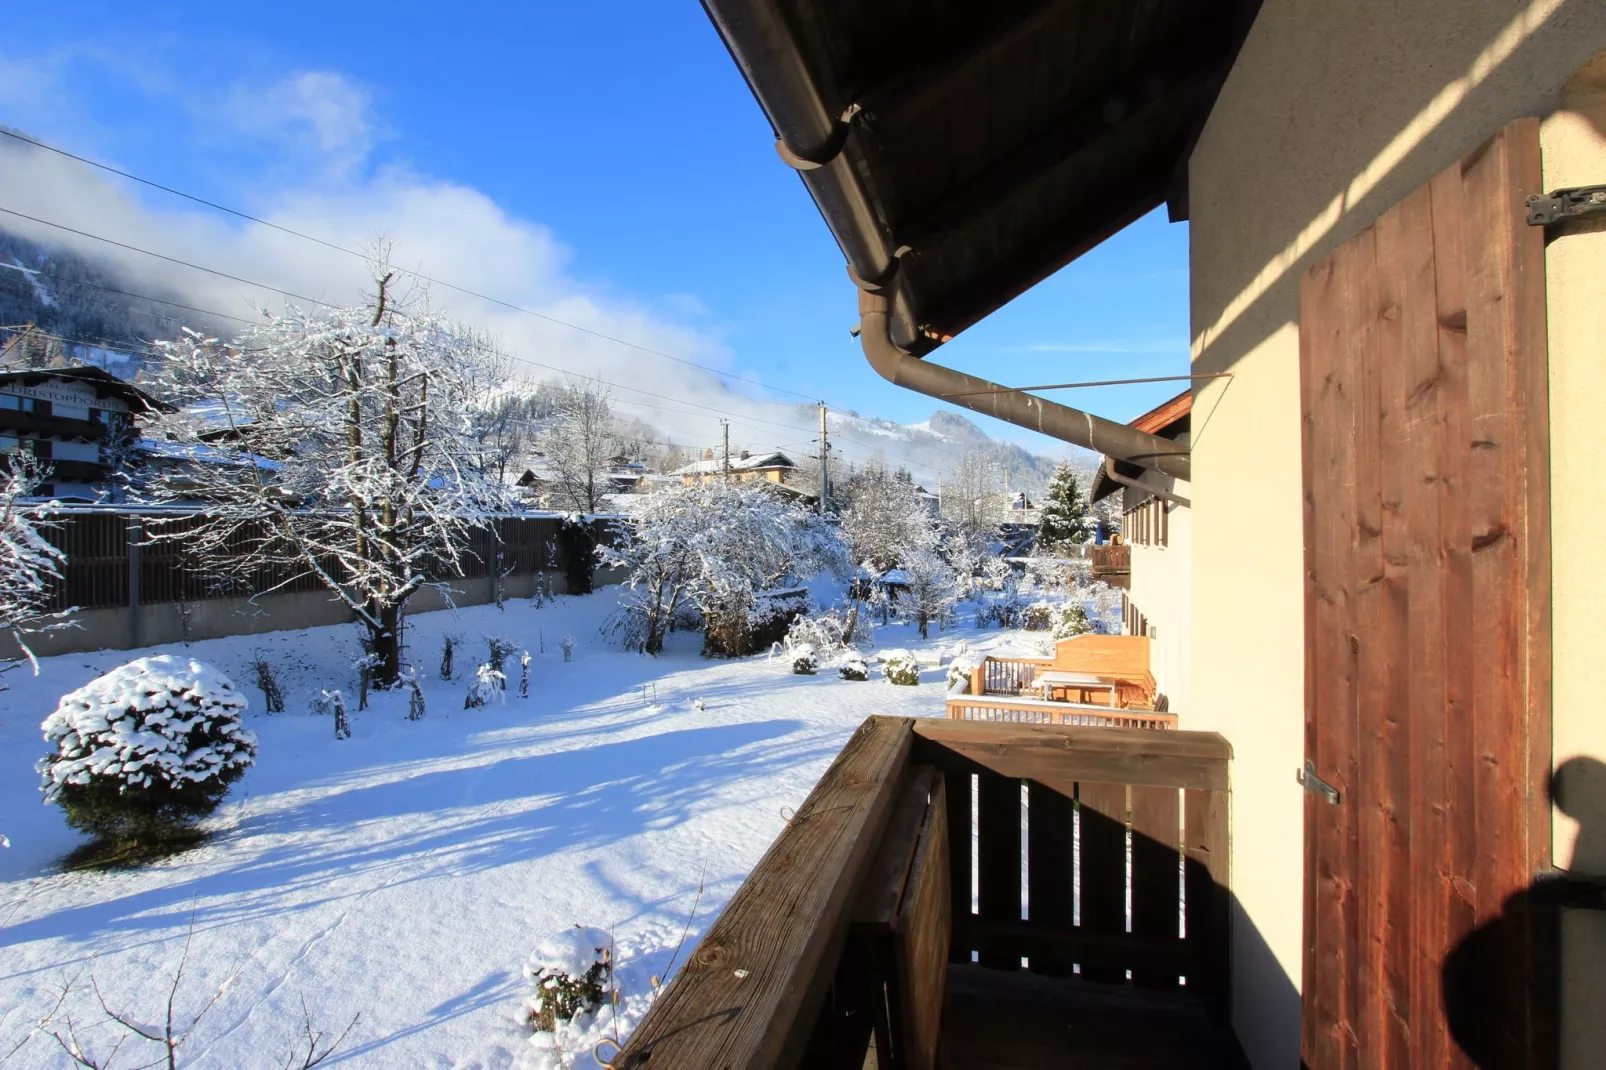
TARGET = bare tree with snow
x,y
28,562
347,451
579,442
973,495
715,545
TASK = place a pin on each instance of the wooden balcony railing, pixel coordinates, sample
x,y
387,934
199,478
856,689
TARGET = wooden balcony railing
x,y
1006,710
951,887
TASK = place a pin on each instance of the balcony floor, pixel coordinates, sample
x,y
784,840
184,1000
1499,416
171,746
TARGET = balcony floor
x,y
998,1020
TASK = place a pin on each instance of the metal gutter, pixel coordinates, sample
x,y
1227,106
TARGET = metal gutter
x,y
811,136
1024,410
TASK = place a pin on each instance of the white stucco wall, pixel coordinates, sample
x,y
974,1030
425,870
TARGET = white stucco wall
x,y
1574,144
1333,113
1161,589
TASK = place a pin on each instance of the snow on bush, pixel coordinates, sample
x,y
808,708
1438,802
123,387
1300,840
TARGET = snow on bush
x,y
805,662
901,667
146,748
960,671
1038,617
490,685
1071,621
572,973
853,668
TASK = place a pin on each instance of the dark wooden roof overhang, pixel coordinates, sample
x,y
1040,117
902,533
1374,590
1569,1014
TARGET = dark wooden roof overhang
x,y
962,151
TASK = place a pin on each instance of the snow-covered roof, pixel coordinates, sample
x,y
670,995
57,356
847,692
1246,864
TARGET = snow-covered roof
x,y
773,459
200,453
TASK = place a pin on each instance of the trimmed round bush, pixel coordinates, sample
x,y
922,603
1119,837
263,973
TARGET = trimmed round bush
x,y
902,668
853,669
147,749
1072,621
805,662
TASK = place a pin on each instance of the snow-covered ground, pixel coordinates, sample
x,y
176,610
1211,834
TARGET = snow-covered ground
x,y
406,874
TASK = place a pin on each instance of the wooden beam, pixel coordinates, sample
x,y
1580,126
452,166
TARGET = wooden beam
x,y
1056,755
750,991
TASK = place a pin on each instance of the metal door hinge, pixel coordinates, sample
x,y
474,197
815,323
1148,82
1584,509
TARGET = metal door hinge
x,y
1314,784
1545,209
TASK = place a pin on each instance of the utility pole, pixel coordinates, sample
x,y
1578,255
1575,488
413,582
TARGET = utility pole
x,y
825,482
725,435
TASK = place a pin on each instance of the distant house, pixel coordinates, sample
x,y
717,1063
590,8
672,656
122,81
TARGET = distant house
x,y
773,467
78,420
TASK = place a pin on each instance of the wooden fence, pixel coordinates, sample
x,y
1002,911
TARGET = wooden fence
x,y
113,561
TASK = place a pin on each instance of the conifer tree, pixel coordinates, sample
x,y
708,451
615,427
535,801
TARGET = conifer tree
x,y
1063,514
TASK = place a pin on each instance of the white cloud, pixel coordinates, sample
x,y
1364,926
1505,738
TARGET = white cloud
x,y
316,116
324,131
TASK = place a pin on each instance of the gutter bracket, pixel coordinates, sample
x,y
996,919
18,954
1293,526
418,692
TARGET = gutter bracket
x,y
823,153
1570,203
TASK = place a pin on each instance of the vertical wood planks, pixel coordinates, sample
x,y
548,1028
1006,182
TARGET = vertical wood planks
x,y
1156,874
1050,892
1425,432
1207,896
961,858
1102,820
998,883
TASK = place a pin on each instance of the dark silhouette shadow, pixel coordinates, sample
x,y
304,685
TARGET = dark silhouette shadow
x,y
1501,982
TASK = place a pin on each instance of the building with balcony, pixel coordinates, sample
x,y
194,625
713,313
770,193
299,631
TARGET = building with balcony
x,y
1155,556
80,421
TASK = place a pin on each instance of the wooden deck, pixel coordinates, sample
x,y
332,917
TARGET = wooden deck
x,y
1015,1021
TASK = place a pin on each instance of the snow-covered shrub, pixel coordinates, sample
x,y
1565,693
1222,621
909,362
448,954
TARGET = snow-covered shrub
x,y
524,674
498,651
415,700
489,685
267,683
1038,617
853,668
146,749
333,703
567,646
1071,621
960,671
448,654
572,972
826,635
805,662
901,667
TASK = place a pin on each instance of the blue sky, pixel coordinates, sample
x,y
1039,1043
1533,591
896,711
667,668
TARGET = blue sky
x,y
615,145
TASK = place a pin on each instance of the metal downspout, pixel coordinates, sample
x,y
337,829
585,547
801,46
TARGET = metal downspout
x,y
1080,428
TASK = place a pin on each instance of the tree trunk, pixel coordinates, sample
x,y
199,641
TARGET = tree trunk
x,y
386,640
853,623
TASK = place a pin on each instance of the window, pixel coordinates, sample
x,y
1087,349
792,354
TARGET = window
x,y
19,404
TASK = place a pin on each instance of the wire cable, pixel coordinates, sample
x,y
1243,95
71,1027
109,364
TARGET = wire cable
x,y
417,275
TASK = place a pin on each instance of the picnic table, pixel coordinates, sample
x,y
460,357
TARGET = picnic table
x,y
1065,682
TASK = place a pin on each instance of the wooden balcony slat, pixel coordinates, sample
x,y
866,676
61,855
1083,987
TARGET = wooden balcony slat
x,y
1156,873
1058,755
1103,954
751,990
1102,820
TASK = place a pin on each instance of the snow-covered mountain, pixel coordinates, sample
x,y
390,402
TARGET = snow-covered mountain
x,y
91,313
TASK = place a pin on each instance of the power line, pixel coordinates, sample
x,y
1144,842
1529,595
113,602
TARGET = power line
x,y
417,275
741,419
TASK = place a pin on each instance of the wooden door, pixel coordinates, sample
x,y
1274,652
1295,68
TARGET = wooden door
x,y
1427,616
